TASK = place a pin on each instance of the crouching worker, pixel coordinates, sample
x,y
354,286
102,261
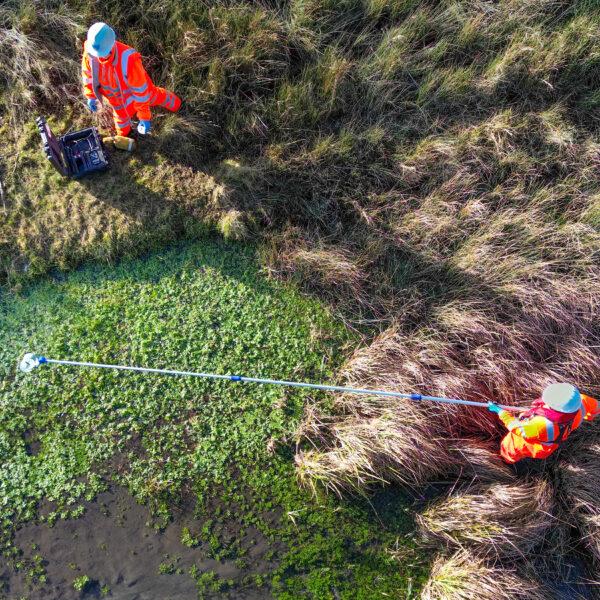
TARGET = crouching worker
x,y
114,71
539,432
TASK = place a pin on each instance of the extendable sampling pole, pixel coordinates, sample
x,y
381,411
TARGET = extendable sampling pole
x,y
31,361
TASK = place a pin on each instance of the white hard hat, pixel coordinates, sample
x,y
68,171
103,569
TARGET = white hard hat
x,y
100,40
562,397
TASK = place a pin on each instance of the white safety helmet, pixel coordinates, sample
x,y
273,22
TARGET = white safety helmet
x,y
562,397
100,40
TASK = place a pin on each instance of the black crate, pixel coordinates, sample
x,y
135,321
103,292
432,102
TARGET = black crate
x,y
75,154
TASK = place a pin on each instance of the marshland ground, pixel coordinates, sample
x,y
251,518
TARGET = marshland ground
x,y
424,172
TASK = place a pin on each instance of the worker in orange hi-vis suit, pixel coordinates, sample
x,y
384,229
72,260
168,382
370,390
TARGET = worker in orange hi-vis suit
x,y
112,70
539,432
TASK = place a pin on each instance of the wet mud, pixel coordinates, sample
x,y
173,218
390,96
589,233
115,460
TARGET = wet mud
x,y
114,544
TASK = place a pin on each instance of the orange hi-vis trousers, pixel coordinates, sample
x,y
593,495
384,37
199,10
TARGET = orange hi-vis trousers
x,y
122,115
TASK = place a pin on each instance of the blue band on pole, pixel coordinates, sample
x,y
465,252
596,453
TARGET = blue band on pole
x,y
42,360
416,397
235,378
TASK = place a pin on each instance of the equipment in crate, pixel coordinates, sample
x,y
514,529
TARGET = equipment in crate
x,y
75,154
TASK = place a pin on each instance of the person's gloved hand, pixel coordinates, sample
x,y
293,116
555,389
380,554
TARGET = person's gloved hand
x,y
92,105
492,407
144,127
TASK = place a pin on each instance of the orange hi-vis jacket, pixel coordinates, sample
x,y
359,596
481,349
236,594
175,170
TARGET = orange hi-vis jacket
x,y
123,81
539,435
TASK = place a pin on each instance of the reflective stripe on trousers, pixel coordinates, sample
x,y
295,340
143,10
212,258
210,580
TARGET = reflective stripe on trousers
x,y
162,97
122,119
158,97
169,101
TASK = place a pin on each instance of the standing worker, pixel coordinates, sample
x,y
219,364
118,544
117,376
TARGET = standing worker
x,y
539,432
114,70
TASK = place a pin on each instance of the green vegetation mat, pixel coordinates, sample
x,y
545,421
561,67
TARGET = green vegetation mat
x,y
68,434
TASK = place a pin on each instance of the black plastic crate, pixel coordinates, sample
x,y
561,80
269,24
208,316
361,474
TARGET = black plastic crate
x,y
75,154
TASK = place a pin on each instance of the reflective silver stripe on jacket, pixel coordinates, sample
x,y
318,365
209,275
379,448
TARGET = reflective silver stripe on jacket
x,y
124,58
95,64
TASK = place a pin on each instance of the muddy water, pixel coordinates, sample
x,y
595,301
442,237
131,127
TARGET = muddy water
x,y
114,545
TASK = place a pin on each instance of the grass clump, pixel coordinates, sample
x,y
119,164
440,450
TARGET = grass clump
x,y
377,449
38,70
232,226
476,461
462,576
498,519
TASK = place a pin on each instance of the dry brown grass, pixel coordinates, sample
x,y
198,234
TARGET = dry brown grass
x,y
463,576
338,471
390,446
396,446
503,300
333,270
37,67
501,520
579,482
476,461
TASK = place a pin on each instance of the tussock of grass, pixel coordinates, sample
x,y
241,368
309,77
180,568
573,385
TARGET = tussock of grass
x,y
463,576
38,69
389,441
331,269
338,471
504,520
477,461
232,226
